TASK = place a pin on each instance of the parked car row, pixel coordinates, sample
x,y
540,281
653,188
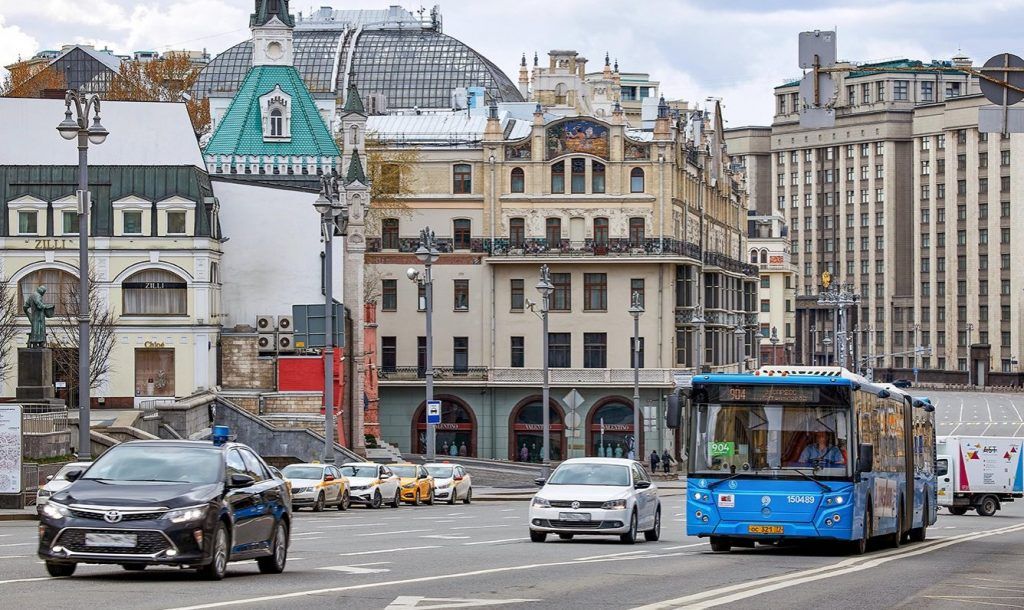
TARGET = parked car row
x,y
320,486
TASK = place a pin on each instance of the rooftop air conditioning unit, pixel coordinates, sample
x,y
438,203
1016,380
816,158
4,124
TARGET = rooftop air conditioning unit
x,y
285,342
266,324
267,343
284,324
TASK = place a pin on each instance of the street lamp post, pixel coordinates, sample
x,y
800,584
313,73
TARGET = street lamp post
x,y
636,309
73,126
545,288
774,340
917,352
333,221
970,373
740,335
427,254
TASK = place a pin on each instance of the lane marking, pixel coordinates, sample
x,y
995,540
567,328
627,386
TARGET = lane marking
x,y
685,546
377,552
14,580
494,541
609,555
507,510
390,533
13,556
717,597
989,407
975,600
306,533
19,544
478,527
359,568
447,537
409,601
1015,409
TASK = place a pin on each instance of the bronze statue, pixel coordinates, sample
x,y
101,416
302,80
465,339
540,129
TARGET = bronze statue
x,y
37,311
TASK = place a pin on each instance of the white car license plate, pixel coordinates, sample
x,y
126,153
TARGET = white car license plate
x,y
122,541
574,516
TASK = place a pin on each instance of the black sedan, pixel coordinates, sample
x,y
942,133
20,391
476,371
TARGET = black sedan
x,y
190,504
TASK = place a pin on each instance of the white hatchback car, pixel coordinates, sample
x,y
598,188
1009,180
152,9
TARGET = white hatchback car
x,y
451,483
372,484
58,482
597,496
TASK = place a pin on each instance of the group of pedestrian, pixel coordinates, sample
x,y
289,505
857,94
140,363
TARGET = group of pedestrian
x,y
665,460
455,450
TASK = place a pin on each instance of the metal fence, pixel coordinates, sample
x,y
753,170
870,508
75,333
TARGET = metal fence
x,y
45,423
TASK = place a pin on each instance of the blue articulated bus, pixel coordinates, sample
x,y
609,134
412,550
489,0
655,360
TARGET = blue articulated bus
x,y
805,453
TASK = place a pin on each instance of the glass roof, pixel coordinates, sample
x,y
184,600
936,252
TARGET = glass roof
x,y
411,68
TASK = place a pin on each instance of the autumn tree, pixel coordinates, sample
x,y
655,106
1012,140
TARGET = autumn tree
x,y
26,79
63,332
8,330
391,174
167,79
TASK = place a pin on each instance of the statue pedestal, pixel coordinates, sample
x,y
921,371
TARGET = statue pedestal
x,y
35,374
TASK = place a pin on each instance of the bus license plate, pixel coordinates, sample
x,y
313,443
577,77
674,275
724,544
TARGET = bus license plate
x,y
764,529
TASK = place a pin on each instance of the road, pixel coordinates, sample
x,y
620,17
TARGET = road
x,y
977,413
403,558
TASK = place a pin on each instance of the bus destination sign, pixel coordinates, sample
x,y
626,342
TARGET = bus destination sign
x,y
769,394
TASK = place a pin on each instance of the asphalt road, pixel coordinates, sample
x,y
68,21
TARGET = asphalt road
x,y
977,413
406,557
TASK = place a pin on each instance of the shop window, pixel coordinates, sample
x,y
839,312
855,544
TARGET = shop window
x,y
155,292
154,372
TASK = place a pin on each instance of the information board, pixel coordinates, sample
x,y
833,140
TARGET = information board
x,y
10,449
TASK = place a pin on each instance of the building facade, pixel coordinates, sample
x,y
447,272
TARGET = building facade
x,y
769,249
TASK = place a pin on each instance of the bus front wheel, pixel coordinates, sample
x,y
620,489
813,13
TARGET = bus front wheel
x,y
860,547
720,545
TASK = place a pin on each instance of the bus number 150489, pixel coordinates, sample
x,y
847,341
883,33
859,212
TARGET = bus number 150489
x,y
800,499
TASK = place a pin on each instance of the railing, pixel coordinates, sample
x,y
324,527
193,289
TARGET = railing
x,y
152,405
45,423
572,376
412,373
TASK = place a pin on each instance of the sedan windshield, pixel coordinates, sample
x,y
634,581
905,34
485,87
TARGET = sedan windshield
x,y
440,472
163,464
404,472
359,471
303,472
590,474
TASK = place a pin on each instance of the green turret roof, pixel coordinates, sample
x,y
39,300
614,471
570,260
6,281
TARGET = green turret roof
x,y
353,103
240,132
355,170
268,9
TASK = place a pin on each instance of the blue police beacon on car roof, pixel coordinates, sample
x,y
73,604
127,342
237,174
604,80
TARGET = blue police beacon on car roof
x,y
221,435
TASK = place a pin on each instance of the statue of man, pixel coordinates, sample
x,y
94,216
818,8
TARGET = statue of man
x,y
37,311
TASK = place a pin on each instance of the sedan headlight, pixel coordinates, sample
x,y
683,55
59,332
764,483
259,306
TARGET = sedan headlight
x,y
409,486
55,511
442,484
302,490
614,505
183,515
541,502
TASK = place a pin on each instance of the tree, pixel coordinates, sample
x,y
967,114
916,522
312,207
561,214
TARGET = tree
x,y
390,172
8,330
167,79
31,80
63,332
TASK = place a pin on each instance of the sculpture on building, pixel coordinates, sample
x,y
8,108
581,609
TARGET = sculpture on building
x,y
37,311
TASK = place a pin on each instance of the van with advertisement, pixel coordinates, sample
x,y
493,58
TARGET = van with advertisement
x,y
979,472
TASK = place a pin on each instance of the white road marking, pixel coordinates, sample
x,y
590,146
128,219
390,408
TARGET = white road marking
x,y
989,407
493,541
359,568
447,537
609,555
454,514
13,556
391,532
409,601
309,538
331,527
1015,410
5,582
511,517
19,544
733,593
377,552
507,510
961,418
685,546
985,431
1017,431
478,527
305,533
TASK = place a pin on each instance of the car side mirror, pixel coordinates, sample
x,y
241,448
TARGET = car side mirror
x,y
540,481
49,478
329,478
385,476
642,484
865,457
240,480
72,475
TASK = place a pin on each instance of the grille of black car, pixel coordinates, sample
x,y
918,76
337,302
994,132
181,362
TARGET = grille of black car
x,y
98,515
147,542
568,504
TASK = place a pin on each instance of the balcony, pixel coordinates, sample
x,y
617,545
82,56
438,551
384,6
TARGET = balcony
x,y
413,373
534,377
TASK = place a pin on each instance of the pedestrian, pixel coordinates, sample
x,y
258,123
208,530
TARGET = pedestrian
x,y
666,461
462,450
618,450
654,460
444,448
453,450
524,454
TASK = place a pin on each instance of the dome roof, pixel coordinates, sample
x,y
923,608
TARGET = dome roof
x,y
412,67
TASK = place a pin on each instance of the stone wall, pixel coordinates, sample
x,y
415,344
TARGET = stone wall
x,y
241,365
292,402
45,445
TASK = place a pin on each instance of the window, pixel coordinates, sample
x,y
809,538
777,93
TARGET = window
x,y
636,286
176,222
766,281
1004,158
928,92
421,356
61,290
462,179
926,167
461,295
636,353
558,177
561,296
865,91
983,160
154,292
389,233
636,180
881,91
460,354
518,299
27,224
276,123
601,232
69,222
782,104
389,295
517,352
851,95
518,180
953,90
597,177
388,354
1004,184
595,350
766,305
553,232
559,350
595,292
1004,209
461,232
154,372
517,232
900,90
578,183
636,232
132,222
940,191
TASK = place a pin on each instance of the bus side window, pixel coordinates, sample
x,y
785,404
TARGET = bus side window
x,y
941,467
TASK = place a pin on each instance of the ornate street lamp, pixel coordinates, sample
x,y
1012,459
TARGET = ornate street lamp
x,y
636,310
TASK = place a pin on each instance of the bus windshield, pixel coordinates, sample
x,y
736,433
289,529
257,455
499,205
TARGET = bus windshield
x,y
769,439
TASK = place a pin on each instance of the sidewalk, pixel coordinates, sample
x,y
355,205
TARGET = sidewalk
x,y
13,514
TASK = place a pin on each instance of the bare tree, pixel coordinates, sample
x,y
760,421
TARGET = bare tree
x,y
8,330
64,332
371,284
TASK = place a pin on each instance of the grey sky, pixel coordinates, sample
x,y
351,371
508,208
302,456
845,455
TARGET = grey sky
x,y
737,51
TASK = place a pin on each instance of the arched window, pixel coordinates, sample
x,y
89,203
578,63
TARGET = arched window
x,y
462,179
601,231
764,256
526,431
558,177
276,123
753,256
354,130
155,292
560,91
579,175
61,290
611,429
517,232
518,181
457,428
636,180
597,177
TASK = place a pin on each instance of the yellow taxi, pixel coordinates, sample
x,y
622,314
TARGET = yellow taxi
x,y
416,484
317,485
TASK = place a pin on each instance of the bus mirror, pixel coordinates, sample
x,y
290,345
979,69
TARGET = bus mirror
x,y
865,457
674,414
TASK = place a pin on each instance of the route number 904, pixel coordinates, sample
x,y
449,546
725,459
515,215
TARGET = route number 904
x,y
800,499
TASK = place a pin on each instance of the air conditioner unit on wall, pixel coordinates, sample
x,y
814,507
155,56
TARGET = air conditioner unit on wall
x,y
266,324
285,342
267,343
284,324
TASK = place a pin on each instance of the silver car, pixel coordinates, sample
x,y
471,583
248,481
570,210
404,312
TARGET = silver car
x,y
58,482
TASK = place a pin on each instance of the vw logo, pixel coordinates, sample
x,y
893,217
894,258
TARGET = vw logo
x,y
766,500
733,484
575,504
112,516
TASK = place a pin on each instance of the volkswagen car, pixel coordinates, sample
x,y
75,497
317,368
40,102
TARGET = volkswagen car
x,y
451,483
58,482
596,496
189,504
372,484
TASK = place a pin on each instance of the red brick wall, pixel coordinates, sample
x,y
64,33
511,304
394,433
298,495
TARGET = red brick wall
x,y
371,419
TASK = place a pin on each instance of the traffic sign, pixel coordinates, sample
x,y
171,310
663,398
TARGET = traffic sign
x,y
916,370
995,92
433,412
573,399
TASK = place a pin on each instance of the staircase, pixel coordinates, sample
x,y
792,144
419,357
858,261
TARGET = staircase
x,y
384,453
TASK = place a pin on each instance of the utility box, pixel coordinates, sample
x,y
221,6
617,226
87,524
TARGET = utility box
x,y
310,323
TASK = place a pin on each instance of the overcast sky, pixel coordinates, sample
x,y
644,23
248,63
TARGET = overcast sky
x,y
737,50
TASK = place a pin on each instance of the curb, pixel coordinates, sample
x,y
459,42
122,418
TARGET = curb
x,y
15,517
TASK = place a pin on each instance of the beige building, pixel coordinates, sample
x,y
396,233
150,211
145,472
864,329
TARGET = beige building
x,y
610,210
769,249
